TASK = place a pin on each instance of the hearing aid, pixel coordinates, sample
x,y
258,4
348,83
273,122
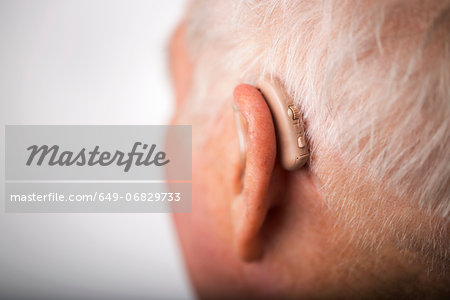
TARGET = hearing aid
x,y
289,128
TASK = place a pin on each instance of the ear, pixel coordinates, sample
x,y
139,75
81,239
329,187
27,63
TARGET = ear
x,y
251,204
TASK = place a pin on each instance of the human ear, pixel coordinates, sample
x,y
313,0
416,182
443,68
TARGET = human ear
x,y
252,202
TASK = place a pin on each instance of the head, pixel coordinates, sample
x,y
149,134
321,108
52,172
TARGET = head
x,y
368,215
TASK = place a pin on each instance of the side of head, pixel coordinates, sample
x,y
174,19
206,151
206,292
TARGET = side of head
x,y
368,216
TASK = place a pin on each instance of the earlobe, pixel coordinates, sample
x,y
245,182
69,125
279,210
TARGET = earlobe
x,y
251,205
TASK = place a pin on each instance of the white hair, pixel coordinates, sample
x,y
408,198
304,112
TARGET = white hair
x,y
372,79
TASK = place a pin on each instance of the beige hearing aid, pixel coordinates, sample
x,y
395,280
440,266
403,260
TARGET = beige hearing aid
x,y
288,121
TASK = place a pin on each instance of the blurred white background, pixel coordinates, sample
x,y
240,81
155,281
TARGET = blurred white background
x,y
87,62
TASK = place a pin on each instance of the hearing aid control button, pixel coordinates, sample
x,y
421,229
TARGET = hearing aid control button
x,y
301,142
293,112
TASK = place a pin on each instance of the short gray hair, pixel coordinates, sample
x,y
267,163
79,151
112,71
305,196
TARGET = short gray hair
x,y
371,77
